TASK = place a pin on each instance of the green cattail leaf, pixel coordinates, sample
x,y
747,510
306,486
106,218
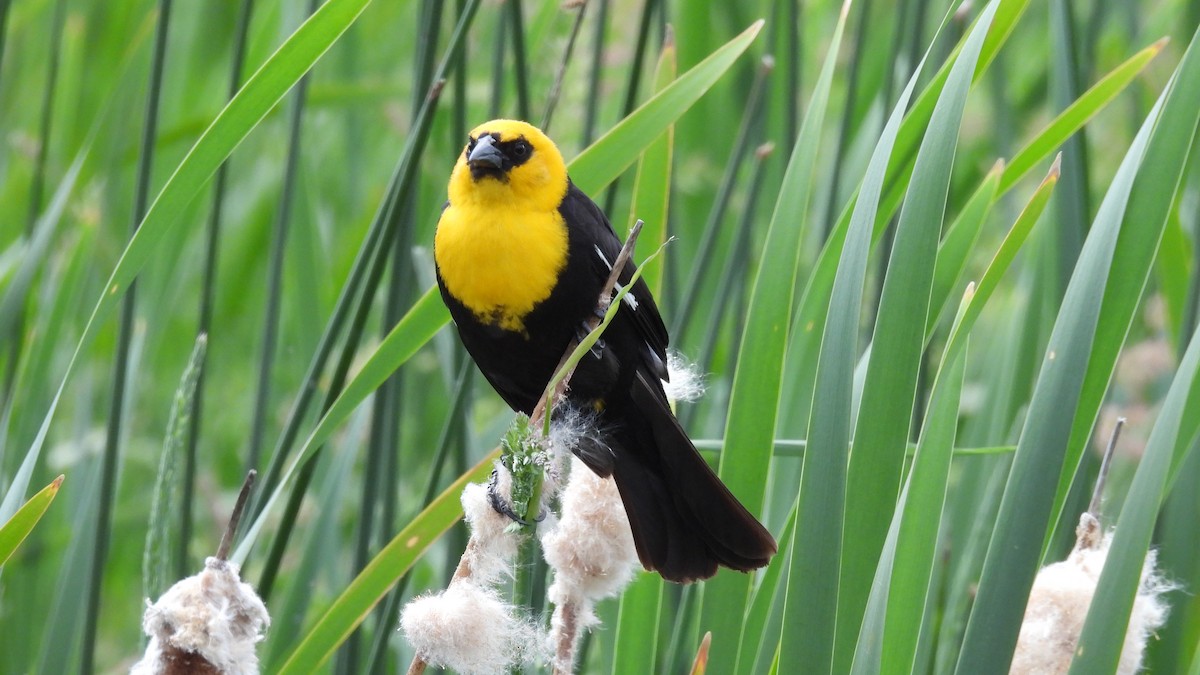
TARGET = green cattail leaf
x,y
13,532
1150,204
873,475
955,250
757,382
1023,519
1103,636
238,118
418,326
615,151
652,184
810,318
896,607
384,570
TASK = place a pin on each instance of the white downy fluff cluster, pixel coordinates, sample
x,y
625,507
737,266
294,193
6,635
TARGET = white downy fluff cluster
x,y
492,548
467,627
591,551
687,382
212,615
1059,601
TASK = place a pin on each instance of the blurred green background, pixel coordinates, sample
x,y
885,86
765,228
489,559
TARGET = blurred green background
x,y
101,102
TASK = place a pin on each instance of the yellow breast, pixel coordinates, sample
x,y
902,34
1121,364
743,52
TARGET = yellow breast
x,y
500,262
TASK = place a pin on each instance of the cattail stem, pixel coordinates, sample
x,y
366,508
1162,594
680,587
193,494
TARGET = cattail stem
x,y
236,516
564,645
1098,490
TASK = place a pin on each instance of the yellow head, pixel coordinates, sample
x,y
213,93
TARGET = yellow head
x,y
509,161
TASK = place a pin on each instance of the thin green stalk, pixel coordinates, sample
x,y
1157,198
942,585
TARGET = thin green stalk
x,y
208,288
832,203
705,250
635,78
459,113
354,334
1072,198
597,66
556,89
517,26
499,47
729,278
379,236
1192,308
795,52
108,465
388,221
37,186
4,5
337,381
684,615
279,236
455,420
385,415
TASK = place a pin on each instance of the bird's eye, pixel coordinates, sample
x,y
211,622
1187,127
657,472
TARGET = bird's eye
x,y
521,150
470,145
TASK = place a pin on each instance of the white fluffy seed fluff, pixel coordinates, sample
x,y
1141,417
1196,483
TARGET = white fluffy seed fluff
x,y
467,628
591,551
687,382
1058,605
492,548
212,615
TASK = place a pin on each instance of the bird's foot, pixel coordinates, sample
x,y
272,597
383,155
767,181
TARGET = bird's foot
x,y
597,349
500,504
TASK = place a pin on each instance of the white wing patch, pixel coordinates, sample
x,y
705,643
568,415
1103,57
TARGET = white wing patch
x,y
629,299
603,258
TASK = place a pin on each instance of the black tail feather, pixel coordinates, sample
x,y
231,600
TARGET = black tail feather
x,y
685,522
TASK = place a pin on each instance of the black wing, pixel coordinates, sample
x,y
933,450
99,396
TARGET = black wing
x,y
589,224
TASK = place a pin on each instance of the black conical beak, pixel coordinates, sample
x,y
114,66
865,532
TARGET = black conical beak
x,y
485,157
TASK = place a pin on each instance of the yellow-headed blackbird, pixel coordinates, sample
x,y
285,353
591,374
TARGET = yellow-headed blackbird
x,y
522,255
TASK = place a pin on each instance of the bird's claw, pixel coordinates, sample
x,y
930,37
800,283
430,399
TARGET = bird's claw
x,y
501,505
585,328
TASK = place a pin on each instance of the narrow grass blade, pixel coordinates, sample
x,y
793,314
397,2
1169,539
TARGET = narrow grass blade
x,y
810,319
635,644
1150,204
1077,114
615,151
13,532
955,250
353,605
1103,634
920,514
1022,523
426,318
33,257
260,94
831,418
757,382
872,479
652,184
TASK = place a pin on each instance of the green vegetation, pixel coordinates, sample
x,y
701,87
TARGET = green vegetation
x,y
268,174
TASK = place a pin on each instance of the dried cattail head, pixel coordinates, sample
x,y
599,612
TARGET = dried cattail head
x,y
592,554
207,623
469,629
1059,601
